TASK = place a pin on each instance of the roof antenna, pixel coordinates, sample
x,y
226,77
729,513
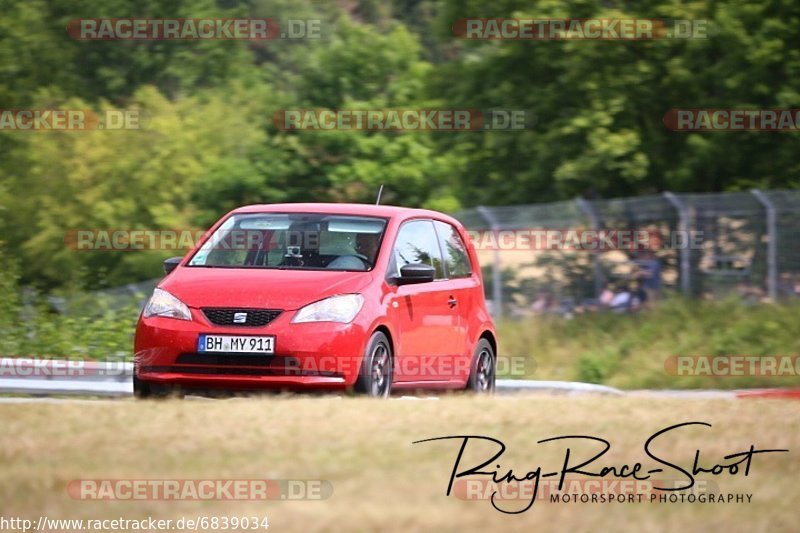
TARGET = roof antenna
x,y
380,191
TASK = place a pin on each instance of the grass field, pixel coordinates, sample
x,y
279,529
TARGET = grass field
x,y
380,480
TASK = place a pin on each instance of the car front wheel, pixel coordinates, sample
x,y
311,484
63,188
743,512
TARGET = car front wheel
x,y
375,376
143,389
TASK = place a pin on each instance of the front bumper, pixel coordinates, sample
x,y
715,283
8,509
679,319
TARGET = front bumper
x,y
321,355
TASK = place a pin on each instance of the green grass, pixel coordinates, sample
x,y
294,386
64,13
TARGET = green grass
x,y
629,351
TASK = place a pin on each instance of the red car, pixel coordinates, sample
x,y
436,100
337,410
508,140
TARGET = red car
x,y
320,296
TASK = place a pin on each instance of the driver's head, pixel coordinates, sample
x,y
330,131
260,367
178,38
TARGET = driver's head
x,y
367,244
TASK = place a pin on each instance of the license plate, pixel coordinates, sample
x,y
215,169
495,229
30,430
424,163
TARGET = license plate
x,y
236,344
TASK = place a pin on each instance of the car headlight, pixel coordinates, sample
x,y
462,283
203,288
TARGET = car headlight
x,y
164,304
343,308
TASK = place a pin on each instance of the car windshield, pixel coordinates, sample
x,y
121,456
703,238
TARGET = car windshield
x,y
307,241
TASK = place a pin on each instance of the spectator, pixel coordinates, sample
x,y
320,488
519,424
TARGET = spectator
x,y
542,303
650,269
606,296
621,302
786,286
638,296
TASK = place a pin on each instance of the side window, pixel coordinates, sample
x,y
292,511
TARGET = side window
x,y
455,253
416,243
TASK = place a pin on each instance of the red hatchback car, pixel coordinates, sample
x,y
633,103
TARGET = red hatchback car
x,y
320,296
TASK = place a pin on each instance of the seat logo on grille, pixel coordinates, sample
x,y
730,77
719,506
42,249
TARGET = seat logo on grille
x,y
239,318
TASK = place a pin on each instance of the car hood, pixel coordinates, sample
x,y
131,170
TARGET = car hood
x,y
259,288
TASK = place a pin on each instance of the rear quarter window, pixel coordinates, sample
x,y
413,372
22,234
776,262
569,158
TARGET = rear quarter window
x,y
454,251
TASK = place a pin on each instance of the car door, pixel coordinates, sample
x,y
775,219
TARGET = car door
x,y
462,289
425,320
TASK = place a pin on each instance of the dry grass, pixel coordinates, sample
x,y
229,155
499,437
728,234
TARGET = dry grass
x,y
381,481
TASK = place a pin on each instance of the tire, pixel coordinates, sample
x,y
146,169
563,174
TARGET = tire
x,y
141,389
376,374
482,374
145,390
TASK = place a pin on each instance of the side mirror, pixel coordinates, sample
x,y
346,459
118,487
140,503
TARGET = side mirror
x,y
171,263
416,273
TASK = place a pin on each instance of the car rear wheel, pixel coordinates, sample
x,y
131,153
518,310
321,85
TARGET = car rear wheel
x,y
482,371
375,377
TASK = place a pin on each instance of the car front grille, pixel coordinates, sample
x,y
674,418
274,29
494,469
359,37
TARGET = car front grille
x,y
224,316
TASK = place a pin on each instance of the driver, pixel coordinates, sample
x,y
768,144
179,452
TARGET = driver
x,y
366,248
367,245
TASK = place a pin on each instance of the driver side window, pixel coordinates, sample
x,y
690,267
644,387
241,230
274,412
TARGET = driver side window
x,y
416,244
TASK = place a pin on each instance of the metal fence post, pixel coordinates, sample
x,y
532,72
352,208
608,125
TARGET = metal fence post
x,y
683,225
772,243
497,275
591,214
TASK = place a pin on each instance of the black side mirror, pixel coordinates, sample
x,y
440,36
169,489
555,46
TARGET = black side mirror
x,y
171,263
416,273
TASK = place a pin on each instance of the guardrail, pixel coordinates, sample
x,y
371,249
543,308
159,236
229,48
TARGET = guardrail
x,y
50,377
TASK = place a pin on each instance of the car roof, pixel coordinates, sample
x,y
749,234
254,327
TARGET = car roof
x,y
386,211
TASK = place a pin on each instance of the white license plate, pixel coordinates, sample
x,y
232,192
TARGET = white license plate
x,y
236,344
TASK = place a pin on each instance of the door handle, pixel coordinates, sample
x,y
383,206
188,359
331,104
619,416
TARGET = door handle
x,y
452,302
